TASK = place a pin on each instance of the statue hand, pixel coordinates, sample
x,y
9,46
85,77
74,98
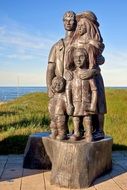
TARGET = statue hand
x,y
68,75
89,73
70,109
91,108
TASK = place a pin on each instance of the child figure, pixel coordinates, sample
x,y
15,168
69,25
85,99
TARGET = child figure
x,y
81,95
57,109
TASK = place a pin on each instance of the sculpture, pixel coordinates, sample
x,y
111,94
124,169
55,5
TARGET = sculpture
x,y
75,89
81,95
82,37
57,109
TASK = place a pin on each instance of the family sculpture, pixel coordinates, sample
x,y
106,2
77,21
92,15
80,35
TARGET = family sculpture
x,y
76,91
74,81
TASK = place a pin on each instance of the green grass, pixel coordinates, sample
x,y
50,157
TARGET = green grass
x,y
21,117
116,118
29,114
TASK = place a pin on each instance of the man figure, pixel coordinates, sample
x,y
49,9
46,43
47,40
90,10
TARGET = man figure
x,y
57,55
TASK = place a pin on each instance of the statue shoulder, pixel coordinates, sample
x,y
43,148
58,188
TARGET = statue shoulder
x,y
55,48
58,44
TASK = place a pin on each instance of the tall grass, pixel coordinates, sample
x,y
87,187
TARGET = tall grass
x,y
29,114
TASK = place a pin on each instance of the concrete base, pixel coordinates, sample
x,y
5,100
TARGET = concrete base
x,y
74,164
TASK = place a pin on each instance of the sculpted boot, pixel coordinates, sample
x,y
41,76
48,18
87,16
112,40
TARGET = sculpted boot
x,y
88,126
54,131
61,127
76,136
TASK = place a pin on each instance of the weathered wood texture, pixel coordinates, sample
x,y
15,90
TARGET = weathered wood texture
x,y
35,156
77,164
15,178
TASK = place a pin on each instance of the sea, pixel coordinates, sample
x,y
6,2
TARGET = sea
x,y
10,93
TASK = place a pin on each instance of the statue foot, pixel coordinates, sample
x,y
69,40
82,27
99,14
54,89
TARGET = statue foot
x,y
89,138
98,135
61,137
75,137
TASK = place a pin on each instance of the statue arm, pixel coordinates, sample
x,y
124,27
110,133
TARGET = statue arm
x,y
96,49
93,106
50,74
70,107
51,70
89,73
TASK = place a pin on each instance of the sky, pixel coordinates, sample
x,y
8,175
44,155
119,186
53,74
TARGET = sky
x,y
29,28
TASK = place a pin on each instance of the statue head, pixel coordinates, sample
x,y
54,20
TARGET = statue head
x,y
87,23
77,57
80,58
69,20
58,84
81,27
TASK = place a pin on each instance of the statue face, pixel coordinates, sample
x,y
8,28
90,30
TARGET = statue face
x,y
69,23
81,28
58,85
79,59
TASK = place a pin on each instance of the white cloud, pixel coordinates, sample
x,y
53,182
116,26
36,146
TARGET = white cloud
x,y
23,55
114,70
15,39
20,45
10,78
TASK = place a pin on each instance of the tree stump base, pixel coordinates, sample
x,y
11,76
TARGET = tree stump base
x,y
74,164
77,164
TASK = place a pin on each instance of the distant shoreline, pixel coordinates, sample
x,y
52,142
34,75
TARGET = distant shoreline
x,y
11,93
120,87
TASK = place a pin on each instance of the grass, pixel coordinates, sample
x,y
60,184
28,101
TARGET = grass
x,y
29,114
116,118
21,117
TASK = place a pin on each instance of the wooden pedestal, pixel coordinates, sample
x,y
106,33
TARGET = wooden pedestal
x,y
74,164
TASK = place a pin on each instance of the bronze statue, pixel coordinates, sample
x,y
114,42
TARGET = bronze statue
x,y
83,39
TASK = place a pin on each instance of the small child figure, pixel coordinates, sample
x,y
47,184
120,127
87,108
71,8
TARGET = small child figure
x,y
81,95
57,109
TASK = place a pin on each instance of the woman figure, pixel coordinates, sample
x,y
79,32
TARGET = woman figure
x,y
88,36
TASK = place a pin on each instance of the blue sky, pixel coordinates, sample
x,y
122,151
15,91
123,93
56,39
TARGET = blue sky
x,y
28,29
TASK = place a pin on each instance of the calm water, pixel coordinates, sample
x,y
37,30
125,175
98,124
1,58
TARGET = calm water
x,y
10,93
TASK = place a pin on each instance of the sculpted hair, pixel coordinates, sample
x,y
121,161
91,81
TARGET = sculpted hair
x,y
70,14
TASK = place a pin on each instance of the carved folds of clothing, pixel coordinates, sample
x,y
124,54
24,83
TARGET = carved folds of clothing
x,y
56,57
81,91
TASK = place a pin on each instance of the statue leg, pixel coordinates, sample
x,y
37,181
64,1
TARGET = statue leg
x,y
61,126
87,122
99,128
76,122
66,123
53,128
101,122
